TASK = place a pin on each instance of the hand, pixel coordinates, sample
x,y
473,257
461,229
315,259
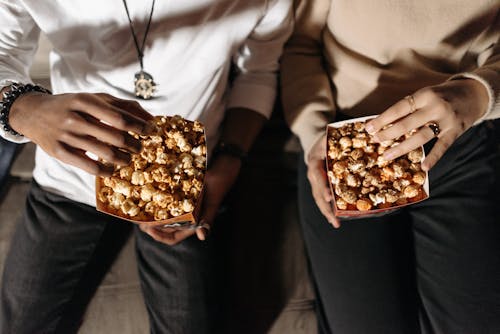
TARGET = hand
x,y
168,236
319,181
218,181
67,126
454,106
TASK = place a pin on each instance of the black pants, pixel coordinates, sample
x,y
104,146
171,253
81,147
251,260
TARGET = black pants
x,y
433,267
56,252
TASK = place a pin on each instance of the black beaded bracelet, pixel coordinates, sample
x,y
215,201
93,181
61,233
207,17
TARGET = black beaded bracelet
x,y
233,150
14,91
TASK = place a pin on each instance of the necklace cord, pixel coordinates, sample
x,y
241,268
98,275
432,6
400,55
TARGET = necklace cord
x,y
140,50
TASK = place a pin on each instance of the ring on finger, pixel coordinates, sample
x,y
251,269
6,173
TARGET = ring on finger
x,y
434,128
411,102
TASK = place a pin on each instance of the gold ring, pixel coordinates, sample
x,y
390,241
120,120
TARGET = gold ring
x,y
434,128
411,102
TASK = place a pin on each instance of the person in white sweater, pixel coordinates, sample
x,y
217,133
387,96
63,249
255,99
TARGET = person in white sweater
x,y
184,51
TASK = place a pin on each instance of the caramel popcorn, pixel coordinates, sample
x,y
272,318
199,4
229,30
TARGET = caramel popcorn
x,y
362,179
341,204
415,155
363,204
162,181
411,191
419,177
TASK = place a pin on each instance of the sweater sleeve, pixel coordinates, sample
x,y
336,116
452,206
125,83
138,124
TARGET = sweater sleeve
x,y
488,72
18,44
306,89
257,60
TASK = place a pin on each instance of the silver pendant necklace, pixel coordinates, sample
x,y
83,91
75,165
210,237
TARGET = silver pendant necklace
x,y
145,87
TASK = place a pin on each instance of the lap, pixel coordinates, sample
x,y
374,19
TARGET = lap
x,y
457,240
438,260
177,283
362,271
48,255
62,249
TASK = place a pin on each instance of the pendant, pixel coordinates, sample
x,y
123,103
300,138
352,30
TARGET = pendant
x,y
145,87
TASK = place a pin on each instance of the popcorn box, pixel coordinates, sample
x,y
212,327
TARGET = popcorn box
x,y
163,184
363,184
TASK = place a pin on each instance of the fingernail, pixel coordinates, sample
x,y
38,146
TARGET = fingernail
x,y
150,128
137,146
106,174
106,170
334,224
369,128
203,233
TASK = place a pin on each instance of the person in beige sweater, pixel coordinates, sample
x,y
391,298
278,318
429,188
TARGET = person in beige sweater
x,y
432,267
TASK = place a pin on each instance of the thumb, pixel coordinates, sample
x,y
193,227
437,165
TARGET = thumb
x,y
207,217
203,231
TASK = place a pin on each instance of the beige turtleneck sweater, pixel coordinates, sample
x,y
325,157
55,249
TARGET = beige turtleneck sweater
x,y
359,57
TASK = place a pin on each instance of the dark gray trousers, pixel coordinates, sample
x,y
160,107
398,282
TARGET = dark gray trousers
x,y
60,252
433,267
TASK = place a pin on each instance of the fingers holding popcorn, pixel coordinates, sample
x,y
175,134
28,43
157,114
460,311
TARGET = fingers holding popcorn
x,y
404,126
448,110
107,152
170,237
438,150
318,177
85,125
319,189
77,157
416,140
106,108
400,109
